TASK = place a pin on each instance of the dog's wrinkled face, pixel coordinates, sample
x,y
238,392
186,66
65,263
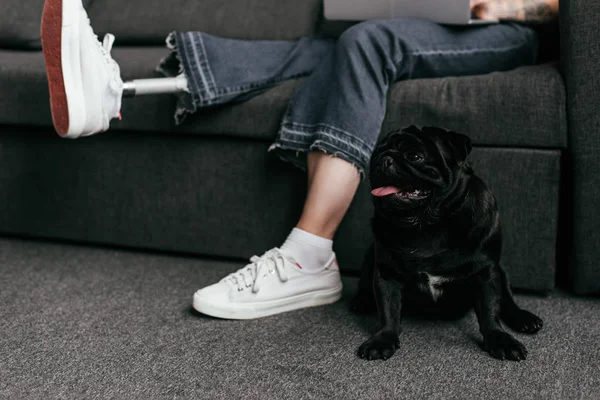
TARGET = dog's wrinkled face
x,y
415,167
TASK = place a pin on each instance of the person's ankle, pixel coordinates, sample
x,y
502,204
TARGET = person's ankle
x,y
318,229
310,251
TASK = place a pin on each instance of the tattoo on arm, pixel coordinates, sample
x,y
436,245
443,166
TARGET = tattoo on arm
x,y
529,11
536,11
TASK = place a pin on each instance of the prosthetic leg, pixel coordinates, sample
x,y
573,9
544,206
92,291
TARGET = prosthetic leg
x,y
140,87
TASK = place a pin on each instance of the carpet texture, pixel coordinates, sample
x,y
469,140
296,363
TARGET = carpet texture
x,y
79,322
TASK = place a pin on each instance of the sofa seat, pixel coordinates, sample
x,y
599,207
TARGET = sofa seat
x,y
487,107
149,184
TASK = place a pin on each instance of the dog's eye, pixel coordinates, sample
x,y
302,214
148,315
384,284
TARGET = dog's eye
x,y
412,157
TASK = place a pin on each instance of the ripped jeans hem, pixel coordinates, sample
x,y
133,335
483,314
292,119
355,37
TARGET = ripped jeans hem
x,y
296,153
172,66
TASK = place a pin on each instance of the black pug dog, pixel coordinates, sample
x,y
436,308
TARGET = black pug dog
x,y
437,244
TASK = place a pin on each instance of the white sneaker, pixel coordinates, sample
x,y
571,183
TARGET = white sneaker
x,y
271,284
84,81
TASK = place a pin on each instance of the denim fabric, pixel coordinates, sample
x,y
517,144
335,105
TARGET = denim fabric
x,y
339,109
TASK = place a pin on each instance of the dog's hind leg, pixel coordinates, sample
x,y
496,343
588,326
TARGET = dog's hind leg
x,y
511,314
364,301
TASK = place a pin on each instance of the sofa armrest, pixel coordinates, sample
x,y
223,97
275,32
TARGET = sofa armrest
x,y
580,59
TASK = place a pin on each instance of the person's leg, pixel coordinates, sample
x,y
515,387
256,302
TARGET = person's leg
x,y
86,89
86,86
340,108
332,183
222,70
334,119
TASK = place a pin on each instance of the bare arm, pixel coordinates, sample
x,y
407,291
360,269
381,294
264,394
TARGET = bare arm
x,y
526,11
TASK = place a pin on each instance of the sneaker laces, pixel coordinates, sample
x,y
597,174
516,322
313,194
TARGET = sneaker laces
x,y
116,83
105,46
260,267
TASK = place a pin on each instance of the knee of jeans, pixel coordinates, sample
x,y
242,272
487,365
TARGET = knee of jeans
x,y
366,33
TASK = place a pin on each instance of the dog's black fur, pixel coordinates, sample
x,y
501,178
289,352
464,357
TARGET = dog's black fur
x,y
450,230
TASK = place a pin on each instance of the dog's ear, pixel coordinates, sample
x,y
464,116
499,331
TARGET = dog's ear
x,y
461,144
414,129
393,136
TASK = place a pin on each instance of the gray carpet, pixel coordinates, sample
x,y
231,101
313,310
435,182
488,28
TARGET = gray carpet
x,y
78,322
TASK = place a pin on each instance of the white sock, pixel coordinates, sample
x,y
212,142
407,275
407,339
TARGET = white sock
x,y
310,251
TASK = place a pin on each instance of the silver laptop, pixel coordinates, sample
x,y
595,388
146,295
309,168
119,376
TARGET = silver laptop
x,y
457,12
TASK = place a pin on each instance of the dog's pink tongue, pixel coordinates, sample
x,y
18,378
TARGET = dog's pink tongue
x,y
384,191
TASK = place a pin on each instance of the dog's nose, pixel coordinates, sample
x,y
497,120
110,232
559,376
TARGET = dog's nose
x,y
388,161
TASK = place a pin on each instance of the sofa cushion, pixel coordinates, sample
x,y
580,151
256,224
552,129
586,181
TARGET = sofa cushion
x,y
490,108
20,23
150,21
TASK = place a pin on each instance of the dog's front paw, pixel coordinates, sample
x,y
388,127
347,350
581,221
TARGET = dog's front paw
x,y
380,346
501,345
522,321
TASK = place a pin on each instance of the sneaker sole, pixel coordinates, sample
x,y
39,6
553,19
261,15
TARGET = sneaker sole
x,y
60,46
267,308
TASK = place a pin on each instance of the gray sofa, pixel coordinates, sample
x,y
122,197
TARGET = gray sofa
x,y
209,187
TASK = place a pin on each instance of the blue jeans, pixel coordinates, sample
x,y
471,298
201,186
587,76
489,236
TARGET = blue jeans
x,y
340,107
